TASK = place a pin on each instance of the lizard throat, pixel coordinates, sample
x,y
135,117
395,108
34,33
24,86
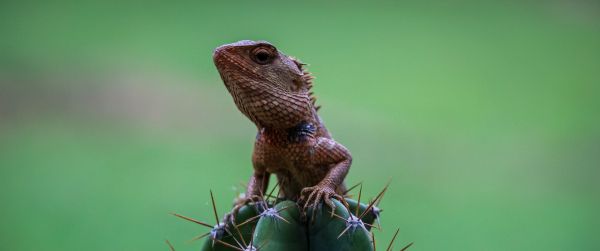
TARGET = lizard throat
x,y
270,108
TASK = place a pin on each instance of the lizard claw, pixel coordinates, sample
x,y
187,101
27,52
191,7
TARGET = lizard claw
x,y
312,197
229,218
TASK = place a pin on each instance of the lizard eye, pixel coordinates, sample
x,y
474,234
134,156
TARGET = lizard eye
x,y
262,56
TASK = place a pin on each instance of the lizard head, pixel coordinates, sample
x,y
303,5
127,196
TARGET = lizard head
x,y
269,87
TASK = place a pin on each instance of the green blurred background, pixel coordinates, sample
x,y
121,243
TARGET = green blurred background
x,y
484,113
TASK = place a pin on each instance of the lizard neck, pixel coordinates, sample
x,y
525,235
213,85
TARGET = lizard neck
x,y
268,107
295,134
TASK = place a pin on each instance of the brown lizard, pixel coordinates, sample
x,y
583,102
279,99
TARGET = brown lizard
x,y
273,91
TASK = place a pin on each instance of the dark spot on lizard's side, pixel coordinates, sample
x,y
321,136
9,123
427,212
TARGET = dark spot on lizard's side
x,y
301,132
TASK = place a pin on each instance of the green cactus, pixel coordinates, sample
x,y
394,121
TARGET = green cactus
x,y
273,233
220,234
279,225
341,231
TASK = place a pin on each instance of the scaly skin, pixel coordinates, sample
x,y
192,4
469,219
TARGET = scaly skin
x,y
273,91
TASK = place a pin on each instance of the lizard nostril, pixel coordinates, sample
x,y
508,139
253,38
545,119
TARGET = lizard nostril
x,y
220,51
217,52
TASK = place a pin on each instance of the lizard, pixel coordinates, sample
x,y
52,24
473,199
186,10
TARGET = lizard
x,y
273,90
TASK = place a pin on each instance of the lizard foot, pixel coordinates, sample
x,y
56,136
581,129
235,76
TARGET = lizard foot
x,y
312,196
229,218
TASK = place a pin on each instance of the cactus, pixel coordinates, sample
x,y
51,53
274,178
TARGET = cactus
x,y
280,225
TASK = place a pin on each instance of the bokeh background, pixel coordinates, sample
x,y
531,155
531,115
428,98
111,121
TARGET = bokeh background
x,y
485,114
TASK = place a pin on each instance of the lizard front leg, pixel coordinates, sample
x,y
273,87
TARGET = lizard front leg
x,y
327,152
256,188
